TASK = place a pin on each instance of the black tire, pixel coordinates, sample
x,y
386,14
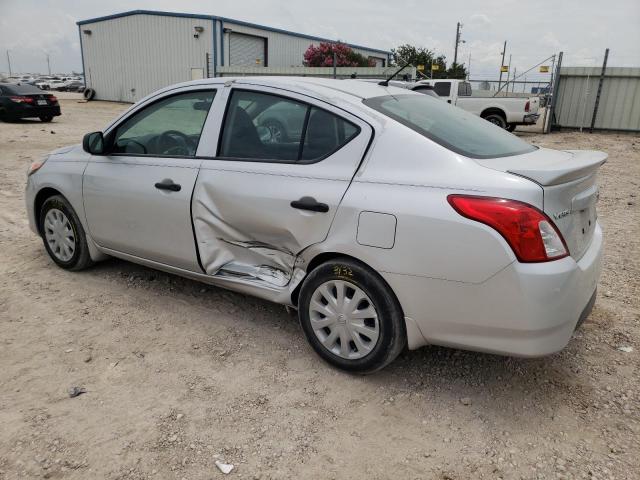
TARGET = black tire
x,y
392,337
511,127
89,93
497,119
80,258
46,118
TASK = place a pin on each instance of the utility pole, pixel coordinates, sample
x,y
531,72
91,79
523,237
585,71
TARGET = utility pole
x,y
48,64
504,50
469,67
9,62
455,52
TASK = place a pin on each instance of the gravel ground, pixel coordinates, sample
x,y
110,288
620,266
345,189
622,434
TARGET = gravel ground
x,y
179,375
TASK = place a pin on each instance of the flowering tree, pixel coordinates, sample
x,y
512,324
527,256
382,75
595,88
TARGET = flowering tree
x,y
322,56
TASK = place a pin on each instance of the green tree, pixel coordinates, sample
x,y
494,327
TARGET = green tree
x,y
423,56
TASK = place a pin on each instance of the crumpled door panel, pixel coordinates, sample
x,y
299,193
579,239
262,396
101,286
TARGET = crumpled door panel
x,y
245,225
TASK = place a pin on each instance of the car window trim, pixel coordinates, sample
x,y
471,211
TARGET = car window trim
x,y
302,138
113,130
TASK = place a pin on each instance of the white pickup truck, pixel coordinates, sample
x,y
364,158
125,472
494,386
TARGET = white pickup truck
x,y
506,112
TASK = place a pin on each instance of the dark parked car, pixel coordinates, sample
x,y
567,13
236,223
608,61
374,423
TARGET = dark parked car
x,y
26,101
74,86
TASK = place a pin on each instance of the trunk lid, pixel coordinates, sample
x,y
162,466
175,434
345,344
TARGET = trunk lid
x,y
569,182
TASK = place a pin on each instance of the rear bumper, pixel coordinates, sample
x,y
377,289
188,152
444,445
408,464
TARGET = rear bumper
x,y
525,310
28,111
530,118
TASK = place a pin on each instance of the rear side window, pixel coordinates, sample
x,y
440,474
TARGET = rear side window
x,y
464,89
443,89
263,126
450,126
326,133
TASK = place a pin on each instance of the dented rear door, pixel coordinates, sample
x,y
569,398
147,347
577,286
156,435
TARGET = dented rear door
x,y
244,221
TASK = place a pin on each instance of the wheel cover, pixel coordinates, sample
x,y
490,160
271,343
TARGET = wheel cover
x,y
344,319
276,133
59,235
495,121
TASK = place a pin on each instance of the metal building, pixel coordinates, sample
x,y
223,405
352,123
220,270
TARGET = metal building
x,y
129,55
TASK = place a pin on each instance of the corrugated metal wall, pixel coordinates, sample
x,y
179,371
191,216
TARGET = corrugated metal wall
x,y
127,58
283,50
619,107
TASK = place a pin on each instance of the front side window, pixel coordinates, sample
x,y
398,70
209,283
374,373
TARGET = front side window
x,y
270,127
443,89
171,126
449,126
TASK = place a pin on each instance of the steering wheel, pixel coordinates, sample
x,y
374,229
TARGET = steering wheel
x,y
173,142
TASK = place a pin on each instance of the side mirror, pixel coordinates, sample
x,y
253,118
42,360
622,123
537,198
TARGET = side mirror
x,y
93,143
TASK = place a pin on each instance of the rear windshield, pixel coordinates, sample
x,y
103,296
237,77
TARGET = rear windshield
x,y
21,89
450,126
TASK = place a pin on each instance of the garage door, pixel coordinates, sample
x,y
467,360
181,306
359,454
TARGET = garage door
x,y
246,50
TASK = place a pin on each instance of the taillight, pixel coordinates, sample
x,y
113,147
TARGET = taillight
x,y
21,99
529,232
52,98
527,106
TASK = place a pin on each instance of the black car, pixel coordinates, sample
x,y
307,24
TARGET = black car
x,y
26,101
75,86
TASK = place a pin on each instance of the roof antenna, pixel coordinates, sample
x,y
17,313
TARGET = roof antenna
x,y
385,82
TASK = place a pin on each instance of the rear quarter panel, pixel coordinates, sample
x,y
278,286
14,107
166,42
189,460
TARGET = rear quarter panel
x,y
412,183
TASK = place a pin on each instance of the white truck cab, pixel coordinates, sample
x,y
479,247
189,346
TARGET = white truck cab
x,y
505,112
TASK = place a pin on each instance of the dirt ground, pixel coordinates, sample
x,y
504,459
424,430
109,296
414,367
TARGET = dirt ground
x,y
179,375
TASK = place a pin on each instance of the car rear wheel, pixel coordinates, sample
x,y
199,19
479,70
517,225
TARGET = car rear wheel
x,y
351,317
63,235
496,119
46,118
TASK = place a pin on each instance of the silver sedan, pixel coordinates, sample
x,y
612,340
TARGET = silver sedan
x,y
386,217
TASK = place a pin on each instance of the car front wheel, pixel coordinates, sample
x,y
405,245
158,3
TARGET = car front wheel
x,y
63,235
351,317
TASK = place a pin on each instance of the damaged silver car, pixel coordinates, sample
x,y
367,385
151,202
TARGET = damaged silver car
x,y
386,217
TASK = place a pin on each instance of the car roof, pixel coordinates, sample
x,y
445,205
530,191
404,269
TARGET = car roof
x,y
323,88
21,89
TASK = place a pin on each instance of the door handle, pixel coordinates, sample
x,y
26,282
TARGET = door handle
x,y
310,203
167,184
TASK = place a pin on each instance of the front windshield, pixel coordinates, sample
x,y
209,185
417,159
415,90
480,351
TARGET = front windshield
x,y
450,126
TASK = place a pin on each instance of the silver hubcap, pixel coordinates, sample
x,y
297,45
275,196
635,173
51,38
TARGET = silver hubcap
x,y
344,319
59,235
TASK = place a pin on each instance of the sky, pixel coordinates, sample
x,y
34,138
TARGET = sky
x,y
534,30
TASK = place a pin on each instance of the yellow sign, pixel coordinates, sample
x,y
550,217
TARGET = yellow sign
x,y
544,68
434,67
504,68
420,68
258,61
